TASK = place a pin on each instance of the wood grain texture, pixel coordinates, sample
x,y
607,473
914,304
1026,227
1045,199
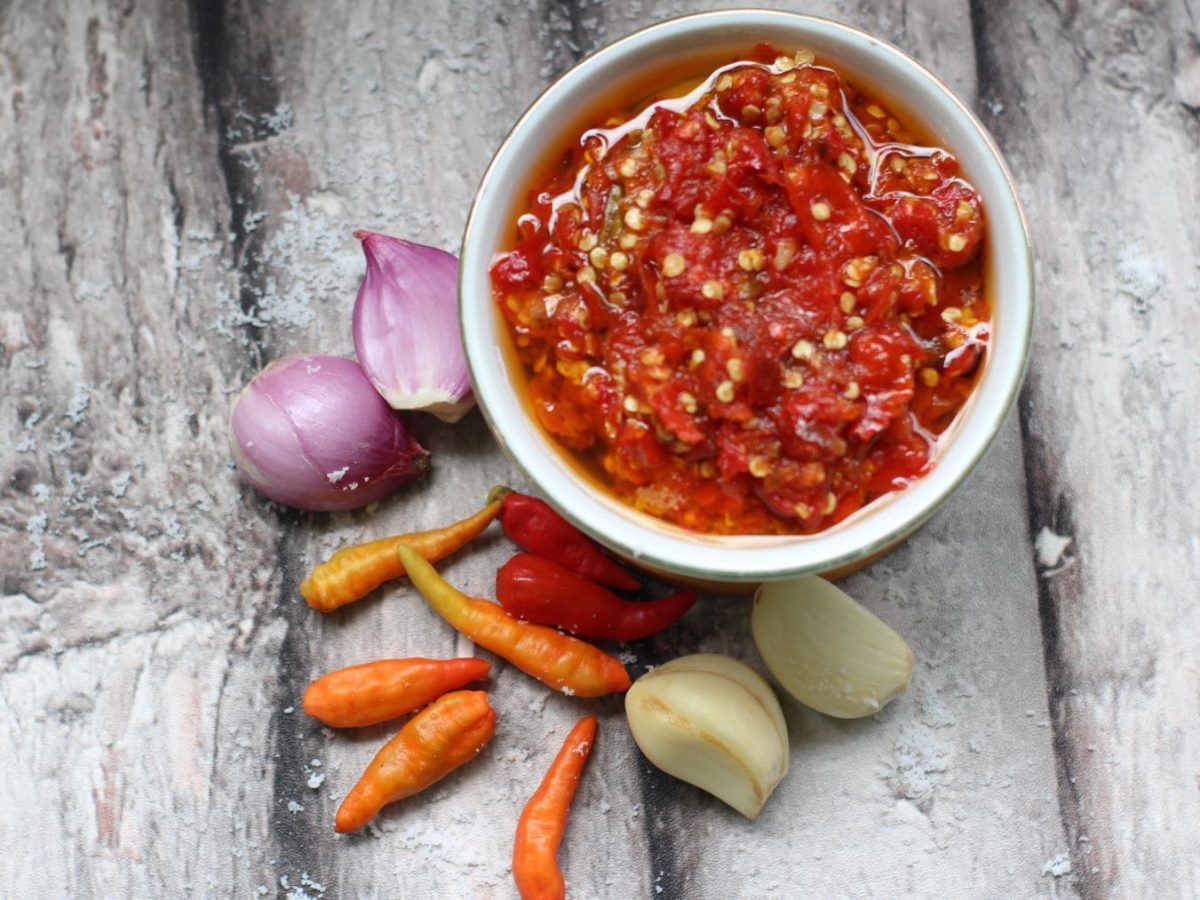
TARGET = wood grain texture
x,y
181,180
1107,413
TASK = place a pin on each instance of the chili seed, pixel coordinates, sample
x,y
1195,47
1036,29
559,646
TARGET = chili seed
x,y
847,301
618,261
846,162
785,250
930,377
630,404
627,240
830,503
852,391
803,349
956,243
586,275
804,57
725,391
834,340
873,110
951,314
751,260
587,241
820,211
688,402
724,83
750,113
628,167
635,219
673,264
701,225
598,257
697,358
775,135
760,467
854,323
712,290
793,378
685,318
552,283
735,368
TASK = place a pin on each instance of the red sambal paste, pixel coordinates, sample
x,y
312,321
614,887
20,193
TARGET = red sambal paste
x,y
752,308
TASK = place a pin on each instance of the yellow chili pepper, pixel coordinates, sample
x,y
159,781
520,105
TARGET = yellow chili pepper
x,y
562,662
353,572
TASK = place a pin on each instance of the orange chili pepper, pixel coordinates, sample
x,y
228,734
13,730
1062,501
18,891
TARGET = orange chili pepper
x,y
431,745
540,829
564,663
381,690
353,572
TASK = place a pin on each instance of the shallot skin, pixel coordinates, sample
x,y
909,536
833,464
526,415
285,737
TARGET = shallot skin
x,y
311,432
406,330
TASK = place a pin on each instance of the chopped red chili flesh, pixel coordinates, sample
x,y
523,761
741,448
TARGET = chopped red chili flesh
x,y
753,308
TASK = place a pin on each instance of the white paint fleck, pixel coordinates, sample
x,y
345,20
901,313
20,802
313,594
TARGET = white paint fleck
x,y
78,406
119,485
1050,547
1138,272
1059,866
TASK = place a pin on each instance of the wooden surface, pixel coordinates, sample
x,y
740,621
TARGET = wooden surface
x,y
178,185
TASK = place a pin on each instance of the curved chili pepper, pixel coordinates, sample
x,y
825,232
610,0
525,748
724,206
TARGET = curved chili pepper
x,y
430,746
558,660
540,829
353,572
381,690
540,590
535,527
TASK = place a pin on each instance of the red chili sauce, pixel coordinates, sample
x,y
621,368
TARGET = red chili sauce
x,y
750,309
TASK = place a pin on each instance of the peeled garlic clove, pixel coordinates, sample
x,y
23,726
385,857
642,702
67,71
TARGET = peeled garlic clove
x,y
828,651
406,330
713,722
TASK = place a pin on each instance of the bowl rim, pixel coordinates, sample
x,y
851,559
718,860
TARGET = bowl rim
x,y
906,524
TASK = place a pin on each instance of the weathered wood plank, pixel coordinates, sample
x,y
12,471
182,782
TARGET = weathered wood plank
x,y
137,587
1111,168
184,179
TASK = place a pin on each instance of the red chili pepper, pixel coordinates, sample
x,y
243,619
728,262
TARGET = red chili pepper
x,y
535,527
540,590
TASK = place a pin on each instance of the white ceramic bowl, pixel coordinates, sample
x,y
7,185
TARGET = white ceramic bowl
x,y
632,67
